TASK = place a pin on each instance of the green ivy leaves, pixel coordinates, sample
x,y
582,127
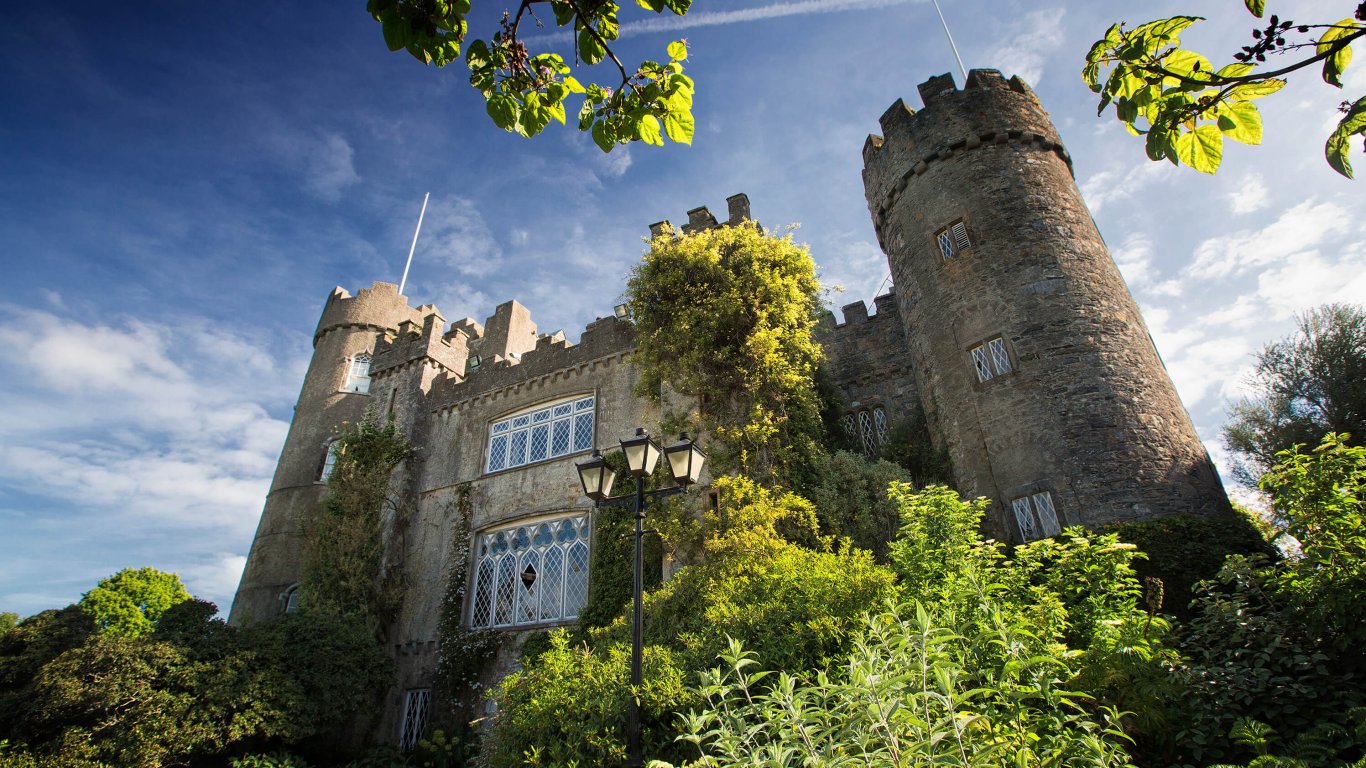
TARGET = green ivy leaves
x,y
527,91
1186,108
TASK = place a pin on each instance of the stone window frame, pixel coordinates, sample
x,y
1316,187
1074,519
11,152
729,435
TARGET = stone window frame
x,y
992,358
416,702
570,534
953,239
547,413
358,380
1034,512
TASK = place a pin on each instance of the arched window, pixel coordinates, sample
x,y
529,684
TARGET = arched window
x,y
531,573
358,375
289,599
867,429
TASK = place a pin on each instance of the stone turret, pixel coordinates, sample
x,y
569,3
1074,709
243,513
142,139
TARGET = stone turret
x,y
336,389
1032,360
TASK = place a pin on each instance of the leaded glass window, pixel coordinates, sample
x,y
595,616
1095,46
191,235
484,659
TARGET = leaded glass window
x,y
953,239
531,573
414,717
880,425
1036,516
547,432
358,375
865,428
990,359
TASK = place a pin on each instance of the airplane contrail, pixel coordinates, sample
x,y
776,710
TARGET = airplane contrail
x,y
670,23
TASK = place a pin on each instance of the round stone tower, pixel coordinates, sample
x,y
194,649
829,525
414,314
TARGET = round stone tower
x,y
1035,367
335,390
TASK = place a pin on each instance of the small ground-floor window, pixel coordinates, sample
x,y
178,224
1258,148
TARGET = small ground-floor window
x,y
414,717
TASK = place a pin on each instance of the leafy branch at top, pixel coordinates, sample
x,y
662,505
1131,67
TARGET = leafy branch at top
x,y
1186,107
526,90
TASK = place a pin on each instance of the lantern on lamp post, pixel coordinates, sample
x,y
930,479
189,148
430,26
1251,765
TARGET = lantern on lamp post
x,y
642,453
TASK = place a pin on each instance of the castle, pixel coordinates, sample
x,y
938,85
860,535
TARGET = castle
x,y
1009,324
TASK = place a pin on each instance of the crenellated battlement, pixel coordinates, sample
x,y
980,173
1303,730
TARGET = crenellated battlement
x,y
700,218
380,307
553,355
989,111
414,342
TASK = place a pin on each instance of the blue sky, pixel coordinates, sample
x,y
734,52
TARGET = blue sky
x,y
182,185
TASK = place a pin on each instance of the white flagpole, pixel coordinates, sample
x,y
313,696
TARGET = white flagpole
x,y
413,247
945,24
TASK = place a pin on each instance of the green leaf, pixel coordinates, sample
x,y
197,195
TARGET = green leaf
x,y
477,55
396,33
1334,65
1201,149
678,126
653,5
586,115
678,50
573,84
503,109
460,7
679,7
1340,142
1255,89
1241,122
648,128
1187,64
589,48
1256,7
1236,69
1160,145
603,136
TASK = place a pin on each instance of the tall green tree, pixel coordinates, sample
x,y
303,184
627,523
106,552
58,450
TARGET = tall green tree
x,y
528,89
130,602
1305,386
1185,105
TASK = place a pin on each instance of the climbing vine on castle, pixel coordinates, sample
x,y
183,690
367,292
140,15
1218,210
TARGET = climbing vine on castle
x,y
344,570
727,316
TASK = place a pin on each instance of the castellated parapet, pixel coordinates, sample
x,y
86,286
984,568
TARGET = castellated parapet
x,y
866,358
1032,360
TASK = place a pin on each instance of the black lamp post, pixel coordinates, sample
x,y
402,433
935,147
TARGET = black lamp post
x,y
685,464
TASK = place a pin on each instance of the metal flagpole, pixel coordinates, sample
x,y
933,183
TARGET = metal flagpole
x,y
413,247
961,68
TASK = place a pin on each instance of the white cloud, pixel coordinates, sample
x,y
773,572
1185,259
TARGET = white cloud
x,y
1298,230
1307,280
327,166
455,234
1031,40
218,575
1250,195
1110,186
1134,257
139,431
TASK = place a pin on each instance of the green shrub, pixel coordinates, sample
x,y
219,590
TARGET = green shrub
x,y
1183,550
568,707
911,692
